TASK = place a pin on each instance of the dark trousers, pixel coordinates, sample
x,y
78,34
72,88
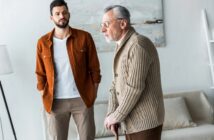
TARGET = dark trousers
x,y
151,134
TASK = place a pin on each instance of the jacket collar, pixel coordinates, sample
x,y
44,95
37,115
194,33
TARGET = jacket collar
x,y
51,34
125,39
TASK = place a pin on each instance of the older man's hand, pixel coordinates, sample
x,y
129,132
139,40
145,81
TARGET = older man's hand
x,y
109,121
114,129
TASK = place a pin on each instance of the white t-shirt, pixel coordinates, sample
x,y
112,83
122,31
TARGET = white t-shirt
x,y
65,86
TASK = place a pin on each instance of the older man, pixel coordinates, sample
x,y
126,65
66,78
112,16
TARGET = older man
x,y
135,98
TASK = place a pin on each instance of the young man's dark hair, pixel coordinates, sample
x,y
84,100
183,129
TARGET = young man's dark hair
x,y
57,3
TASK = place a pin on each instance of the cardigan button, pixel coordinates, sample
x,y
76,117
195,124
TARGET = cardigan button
x,y
117,93
115,75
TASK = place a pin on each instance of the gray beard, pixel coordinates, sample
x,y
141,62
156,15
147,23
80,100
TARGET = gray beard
x,y
108,40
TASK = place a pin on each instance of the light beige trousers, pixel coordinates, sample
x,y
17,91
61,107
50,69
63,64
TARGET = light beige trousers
x,y
60,115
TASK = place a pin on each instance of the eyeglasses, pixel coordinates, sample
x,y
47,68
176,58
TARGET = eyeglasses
x,y
106,24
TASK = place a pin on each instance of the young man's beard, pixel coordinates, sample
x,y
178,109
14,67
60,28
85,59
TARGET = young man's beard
x,y
65,24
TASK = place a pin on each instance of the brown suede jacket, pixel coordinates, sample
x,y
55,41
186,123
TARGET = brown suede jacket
x,y
84,64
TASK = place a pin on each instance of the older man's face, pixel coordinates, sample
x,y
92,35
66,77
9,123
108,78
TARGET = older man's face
x,y
110,27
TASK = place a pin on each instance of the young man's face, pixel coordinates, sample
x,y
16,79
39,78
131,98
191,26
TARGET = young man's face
x,y
110,27
60,16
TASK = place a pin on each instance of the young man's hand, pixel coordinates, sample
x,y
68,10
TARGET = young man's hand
x,y
42,92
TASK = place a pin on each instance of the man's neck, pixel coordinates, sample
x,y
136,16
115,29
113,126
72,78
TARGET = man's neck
x,y
61,33
121,38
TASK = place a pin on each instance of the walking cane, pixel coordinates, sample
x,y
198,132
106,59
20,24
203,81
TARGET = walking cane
x,y
116,131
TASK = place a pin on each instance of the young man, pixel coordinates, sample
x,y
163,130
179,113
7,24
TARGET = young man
x,y
136,98
68,74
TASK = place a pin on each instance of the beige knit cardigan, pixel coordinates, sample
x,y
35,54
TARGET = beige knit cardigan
x,y
136,97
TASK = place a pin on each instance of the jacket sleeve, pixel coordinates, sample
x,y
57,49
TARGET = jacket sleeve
x,y
93,61
139,63
40,69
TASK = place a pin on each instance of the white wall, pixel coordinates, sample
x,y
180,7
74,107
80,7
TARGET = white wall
x,y
184,60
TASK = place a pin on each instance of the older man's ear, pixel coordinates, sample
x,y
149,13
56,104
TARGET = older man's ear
x,y
124,24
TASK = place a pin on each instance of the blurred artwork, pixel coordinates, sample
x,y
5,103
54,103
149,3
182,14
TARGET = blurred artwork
x,y
146,18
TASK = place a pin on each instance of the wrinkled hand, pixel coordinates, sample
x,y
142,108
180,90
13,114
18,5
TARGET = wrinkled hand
x,y
114,129
109,121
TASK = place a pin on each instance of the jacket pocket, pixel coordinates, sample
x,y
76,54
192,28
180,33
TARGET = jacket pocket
x,y
80,57
47,59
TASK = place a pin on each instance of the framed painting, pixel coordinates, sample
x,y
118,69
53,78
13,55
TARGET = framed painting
x,y
146,18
